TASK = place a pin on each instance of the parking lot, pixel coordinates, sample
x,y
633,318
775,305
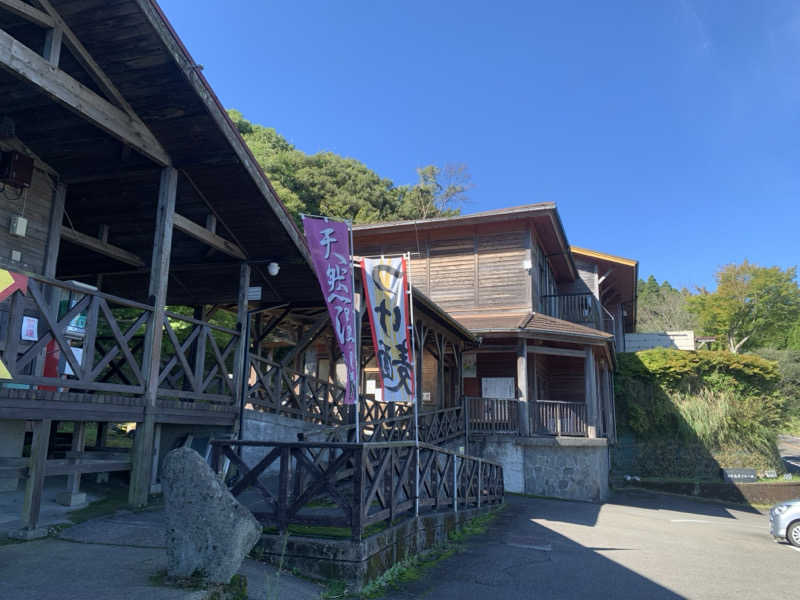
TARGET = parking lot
x,y
640,545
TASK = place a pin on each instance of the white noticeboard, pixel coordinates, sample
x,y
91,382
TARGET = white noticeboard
x,y
498,387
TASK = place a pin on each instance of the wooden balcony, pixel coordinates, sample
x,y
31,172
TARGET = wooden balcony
x,y
583,309
500,416
75,353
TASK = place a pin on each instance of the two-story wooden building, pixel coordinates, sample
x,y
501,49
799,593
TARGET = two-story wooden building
x,y
549,318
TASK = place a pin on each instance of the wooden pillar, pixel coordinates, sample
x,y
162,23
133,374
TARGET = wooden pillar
x,y
522,387
72,495
441,344
589,378
151,361
33,487
241,371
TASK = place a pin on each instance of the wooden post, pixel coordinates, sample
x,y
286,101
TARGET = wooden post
x,y
151,361
241,372
358,509
72,496
522,387
33,487
591,393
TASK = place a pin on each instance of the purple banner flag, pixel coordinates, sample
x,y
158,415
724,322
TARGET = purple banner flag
x,y
329,242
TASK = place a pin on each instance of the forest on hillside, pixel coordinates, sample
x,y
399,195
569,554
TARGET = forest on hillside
x,y
328,184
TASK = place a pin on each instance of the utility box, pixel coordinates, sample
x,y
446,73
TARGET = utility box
x,y
16,169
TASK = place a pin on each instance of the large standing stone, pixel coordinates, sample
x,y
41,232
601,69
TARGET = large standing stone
x,y
207,528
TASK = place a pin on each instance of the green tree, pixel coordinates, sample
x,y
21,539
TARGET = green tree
x,y
330,184
752,305
662,307
439,192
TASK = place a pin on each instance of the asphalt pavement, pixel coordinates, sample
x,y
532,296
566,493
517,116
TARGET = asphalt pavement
x,y
640,545
789,447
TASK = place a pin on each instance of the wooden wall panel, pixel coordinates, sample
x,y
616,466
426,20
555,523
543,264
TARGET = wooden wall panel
x,y
34,204
452,273
503,280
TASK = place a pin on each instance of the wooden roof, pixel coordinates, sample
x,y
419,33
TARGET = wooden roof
x,y
620,278
543,217
531,324
111,182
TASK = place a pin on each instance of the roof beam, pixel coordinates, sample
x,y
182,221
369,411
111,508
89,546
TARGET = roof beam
x,y
31,67
101,247
28,12
209,238
87,62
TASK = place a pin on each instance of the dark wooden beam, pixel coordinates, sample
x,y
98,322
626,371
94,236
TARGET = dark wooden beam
x,y
23,62
87,62
209,238
28,12
101,247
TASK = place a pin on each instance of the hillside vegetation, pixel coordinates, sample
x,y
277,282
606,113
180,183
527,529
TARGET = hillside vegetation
x,y
727,405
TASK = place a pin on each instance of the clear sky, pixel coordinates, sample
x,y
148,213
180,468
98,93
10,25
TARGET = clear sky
x,y
665,131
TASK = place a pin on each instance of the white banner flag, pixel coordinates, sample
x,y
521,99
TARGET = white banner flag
x,y
386,291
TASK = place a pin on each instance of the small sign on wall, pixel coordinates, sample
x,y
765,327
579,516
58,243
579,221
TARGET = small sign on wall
x,y
30,329
470,364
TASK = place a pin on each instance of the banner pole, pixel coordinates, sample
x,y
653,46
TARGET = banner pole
x,y
417,392
356,323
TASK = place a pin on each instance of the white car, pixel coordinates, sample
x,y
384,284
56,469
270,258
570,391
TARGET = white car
x,y
784,521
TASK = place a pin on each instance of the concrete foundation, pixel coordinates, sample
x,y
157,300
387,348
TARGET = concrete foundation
x,y
269,427
569,468
12,437
361,562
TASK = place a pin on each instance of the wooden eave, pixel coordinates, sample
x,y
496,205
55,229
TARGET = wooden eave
x,y
113,183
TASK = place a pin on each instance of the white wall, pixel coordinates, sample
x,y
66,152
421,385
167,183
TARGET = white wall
x,y
681,340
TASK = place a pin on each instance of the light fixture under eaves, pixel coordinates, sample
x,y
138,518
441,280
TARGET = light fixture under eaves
x,y
273,269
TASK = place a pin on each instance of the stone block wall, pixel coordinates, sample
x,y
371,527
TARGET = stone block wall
x,y
569,468
269,427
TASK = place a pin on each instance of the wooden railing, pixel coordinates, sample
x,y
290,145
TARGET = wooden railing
x,y
278,389
553,417
435,427
577,308
86,341
493,415
197,360
362,488
95,333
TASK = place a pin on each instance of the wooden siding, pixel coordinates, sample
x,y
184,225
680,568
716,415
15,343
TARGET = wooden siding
x,y
587,280
34,204
452,273
465,268
502,279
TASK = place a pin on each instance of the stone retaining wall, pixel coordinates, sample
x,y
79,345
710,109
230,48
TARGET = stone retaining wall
x,y
569,468
361,562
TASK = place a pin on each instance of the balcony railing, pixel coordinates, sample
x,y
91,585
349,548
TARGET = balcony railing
x,y
66,337
493,415
583,309
552,417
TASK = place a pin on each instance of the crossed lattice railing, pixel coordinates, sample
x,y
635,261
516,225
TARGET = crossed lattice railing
x,y
63,336
361,487
435,427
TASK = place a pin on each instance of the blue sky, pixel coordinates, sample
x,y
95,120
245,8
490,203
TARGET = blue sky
x,y
665,131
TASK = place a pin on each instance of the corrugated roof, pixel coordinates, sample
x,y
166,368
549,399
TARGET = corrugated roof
x,y
528,323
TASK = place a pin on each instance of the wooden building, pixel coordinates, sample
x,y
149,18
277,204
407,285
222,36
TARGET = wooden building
x,y
148,272
550,317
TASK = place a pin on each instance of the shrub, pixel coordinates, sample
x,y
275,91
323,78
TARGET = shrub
x,y
726,403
